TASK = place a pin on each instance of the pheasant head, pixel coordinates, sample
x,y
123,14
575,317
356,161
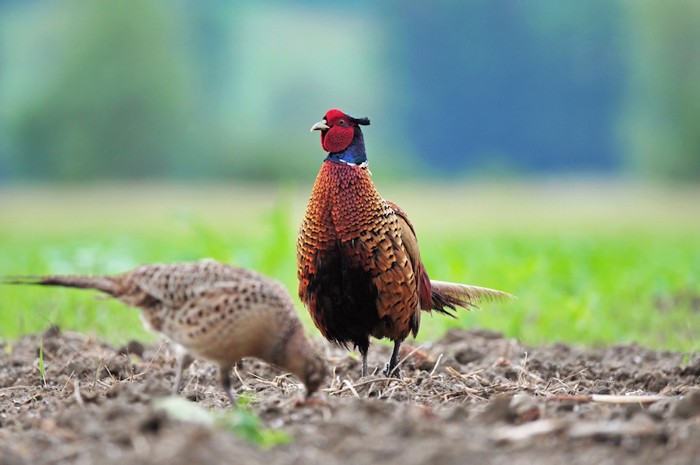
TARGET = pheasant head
x,y
341,137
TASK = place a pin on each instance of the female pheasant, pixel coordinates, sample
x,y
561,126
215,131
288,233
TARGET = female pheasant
x,y
358,262
215,311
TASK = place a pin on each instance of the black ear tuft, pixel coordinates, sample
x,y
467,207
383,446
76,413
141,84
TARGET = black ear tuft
x,y
361,121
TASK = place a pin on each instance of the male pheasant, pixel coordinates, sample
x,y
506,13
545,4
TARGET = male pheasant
x,y
358,262
214,311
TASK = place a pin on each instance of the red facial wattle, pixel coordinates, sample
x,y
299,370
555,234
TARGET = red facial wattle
x,y
340,133
337,138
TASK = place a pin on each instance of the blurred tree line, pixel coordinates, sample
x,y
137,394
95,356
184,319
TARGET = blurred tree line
x,y
661,118
186,89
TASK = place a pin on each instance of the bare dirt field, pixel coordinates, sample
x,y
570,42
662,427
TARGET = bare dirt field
x,y
471,397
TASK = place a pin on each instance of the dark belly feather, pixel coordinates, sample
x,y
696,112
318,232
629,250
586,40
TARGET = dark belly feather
x,y
344,299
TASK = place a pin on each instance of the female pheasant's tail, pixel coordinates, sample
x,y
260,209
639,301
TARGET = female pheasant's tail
x,y
448,296
100,283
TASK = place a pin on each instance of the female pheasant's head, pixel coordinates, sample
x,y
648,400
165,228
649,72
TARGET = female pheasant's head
x,y
341,137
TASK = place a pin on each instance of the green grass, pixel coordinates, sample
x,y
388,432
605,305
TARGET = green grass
x,y
590,264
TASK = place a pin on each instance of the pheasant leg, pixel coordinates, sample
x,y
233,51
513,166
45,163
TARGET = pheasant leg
x,y
391,368
225,374
183,361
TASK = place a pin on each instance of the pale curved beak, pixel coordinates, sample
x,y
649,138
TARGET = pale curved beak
x,y
320,126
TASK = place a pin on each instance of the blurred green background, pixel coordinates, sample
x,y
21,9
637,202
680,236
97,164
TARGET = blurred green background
x,y
547,148
224,89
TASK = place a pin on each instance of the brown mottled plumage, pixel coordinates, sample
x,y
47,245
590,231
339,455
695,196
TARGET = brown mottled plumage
x,y
358,262
214,311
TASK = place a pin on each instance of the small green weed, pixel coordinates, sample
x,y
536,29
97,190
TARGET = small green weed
x,y
42,370
247,425
240,420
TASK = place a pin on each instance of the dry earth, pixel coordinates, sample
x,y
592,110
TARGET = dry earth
x,y
472,397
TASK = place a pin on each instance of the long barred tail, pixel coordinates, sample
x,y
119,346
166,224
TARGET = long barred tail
x,y
448,296
100,283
